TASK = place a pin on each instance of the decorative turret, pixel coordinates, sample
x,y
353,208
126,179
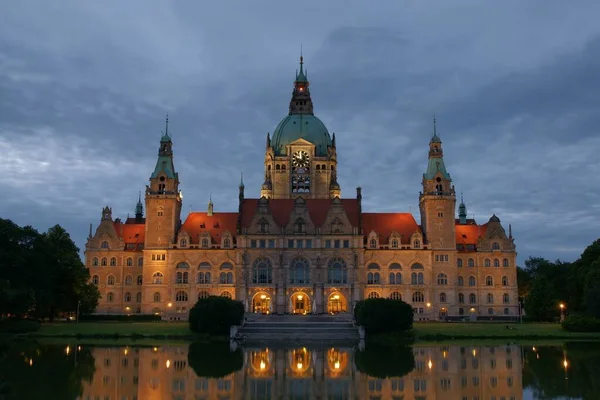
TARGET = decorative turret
x,y
106,214
301,102
209,212
462,211
139,210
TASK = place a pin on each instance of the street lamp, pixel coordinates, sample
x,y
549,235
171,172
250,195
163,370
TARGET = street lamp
x,y
429,311
562,312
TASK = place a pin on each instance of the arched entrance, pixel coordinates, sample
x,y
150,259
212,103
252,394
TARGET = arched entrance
x,y
261,303
300,303
443,313
336,303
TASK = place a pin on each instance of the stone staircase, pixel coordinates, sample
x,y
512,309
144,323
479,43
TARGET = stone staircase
x,y
298,328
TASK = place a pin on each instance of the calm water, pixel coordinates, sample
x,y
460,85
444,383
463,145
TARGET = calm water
x,y
200,371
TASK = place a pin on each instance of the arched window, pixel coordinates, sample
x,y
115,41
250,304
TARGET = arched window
x,y
472,298
496,262
471,262
127,297
140,262
337,272
156,297
461,281
394,243
183,242
373,243
461,298
495,246
95,261
226,243
487,262
205,243
226,294
110,280
505,262
505,281
128,280
104,245
262,271
104,262
505,298
95,279
373,278
138,298
442,297
459,262
203,277
300,271
154,257
442,279
158,278
395,278
417,244
471,281
140,280
203,294
113,261
373,295
181,296
226,278
417,278
110,297
490,298
129,262
395,296
418,297
489,281
182,277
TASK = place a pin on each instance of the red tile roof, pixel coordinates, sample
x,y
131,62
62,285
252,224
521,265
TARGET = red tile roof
x,y
282,209
197,223
386,223
131,233
468,233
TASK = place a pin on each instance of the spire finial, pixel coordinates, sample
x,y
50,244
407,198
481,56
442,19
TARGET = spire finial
x,y
167,125
140,196
461,197
242,179
434,127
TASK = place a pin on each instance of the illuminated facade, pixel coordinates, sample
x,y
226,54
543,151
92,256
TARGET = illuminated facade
x,y
302,248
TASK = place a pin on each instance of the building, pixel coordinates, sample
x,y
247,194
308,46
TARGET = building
x,y
301,247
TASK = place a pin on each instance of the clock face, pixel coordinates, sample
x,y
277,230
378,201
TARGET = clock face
x,y
300,159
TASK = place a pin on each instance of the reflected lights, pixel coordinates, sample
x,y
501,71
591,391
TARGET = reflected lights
x,y
168,363
262,365
67,350
430,364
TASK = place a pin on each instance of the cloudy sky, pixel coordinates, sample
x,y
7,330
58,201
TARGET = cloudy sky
x,y
85,86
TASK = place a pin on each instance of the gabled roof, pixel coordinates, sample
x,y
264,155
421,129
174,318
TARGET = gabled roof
x,y
386,223
215,225
281,210
131,233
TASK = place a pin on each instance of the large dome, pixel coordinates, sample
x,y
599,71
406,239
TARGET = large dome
x,y
305,126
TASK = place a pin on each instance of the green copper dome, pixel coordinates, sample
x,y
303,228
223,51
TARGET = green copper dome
x,y
297,126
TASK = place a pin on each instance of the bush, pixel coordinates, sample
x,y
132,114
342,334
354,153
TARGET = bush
x,y
384,315
215,315
581,323
14,325
119,318
214,359
383,362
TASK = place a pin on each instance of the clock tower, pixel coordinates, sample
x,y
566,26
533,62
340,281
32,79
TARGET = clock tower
x,y
300,158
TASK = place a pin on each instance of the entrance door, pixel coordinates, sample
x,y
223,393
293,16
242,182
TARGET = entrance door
x,y
300,304
261,303
336,303
443,314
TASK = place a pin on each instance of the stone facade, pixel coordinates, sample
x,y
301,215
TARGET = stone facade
x,y
301,248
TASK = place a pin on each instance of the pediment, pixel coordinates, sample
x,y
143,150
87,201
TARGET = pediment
x,y
302,142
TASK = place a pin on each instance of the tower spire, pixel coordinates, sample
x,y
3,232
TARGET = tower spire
x,y
139,209
210,206
462,211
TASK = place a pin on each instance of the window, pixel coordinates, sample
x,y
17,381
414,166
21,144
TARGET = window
x,y
505,262
471,281
110,280
487,262
496,262
395,296
183,243
441,257
461,298
128,280
506,312
140,262
459,262
160,212
110,297
140,279
156,297
95,261
461,281
226,278
471,262
226,294
373,243
490,311
226,243
472,298
394,243
182,277
104,245
505,281
129,262
204,277
395,278
205,243
203,294
113,261
262,271
157,278
418,297
181,296
253,243
490,298
373,278
417,244
328,244
127,297
495,246
299,226
442,297
95,279
104,262
417,278
138,299
505,298
336,271
373,295
346,244
300,272
442,279
489,281
263,226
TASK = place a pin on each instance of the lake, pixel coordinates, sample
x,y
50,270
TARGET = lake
x,y
203,371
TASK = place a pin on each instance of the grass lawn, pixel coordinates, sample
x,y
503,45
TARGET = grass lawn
x,y
495,330
171,329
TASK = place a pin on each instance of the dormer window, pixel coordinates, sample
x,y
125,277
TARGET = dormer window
x,y
417,244
394,243
299,226
495,246
263,226
205,243
104,245
183,243
226,243
373,243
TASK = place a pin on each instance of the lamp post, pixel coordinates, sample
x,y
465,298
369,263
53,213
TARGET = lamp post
x,y
562,312
77,315
429,311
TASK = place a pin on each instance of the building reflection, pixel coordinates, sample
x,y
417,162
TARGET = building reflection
x,y
440,372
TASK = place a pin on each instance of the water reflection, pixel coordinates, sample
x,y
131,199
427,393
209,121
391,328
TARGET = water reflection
x,y
202,371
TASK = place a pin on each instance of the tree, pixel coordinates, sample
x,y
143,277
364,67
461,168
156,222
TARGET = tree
x,y
541,303
384,362
214,359
384,315
214,315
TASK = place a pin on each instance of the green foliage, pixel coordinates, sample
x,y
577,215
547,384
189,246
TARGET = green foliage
x,y
214,360
214,315
581,323
540,304
383,362
42,274
120,318
384,315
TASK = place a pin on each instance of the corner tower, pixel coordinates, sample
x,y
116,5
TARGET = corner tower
x,y
437,201
163,198
300,157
